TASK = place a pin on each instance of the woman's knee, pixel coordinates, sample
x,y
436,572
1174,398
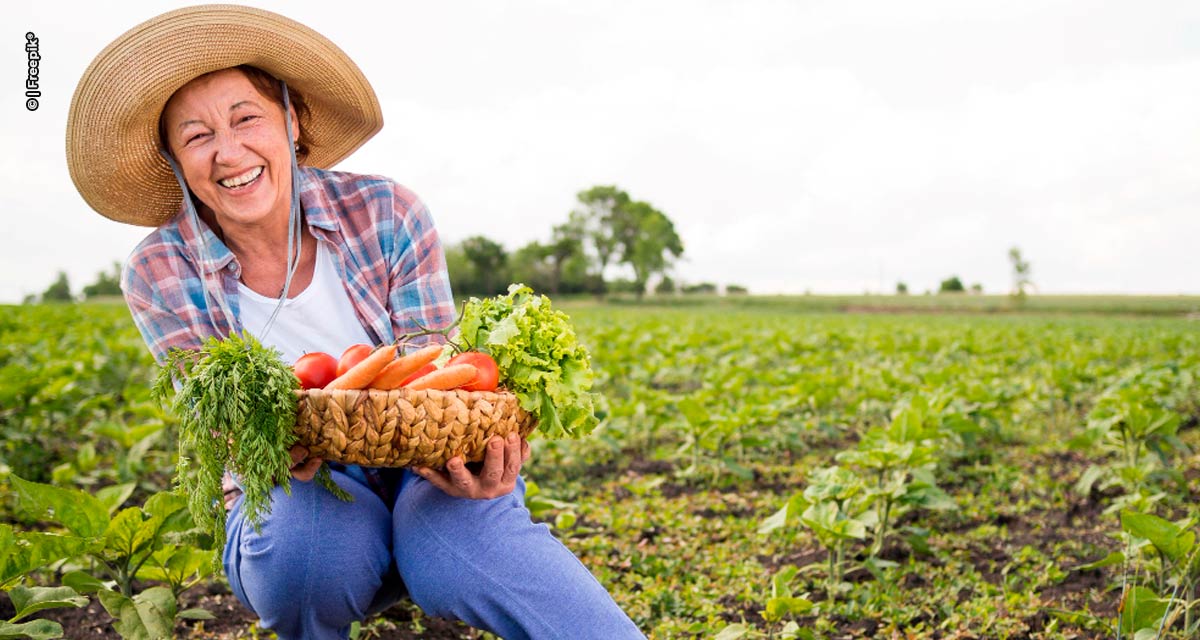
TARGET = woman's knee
x,y
314,561
486,562
446,547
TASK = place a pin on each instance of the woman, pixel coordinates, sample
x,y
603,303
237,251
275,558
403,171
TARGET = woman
x,y
193,123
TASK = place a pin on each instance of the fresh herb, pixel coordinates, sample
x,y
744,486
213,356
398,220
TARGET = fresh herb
x,y
236,405
539,358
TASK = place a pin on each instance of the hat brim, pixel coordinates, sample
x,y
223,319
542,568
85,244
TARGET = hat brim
x,y
112,126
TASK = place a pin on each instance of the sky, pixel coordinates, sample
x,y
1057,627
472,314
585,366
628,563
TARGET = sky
x,y
824,147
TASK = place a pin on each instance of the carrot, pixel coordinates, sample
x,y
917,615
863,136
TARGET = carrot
x,y
445,378
399,369
361,374
429,368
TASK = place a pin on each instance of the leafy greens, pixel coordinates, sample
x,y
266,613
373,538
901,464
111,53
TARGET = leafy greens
x,y
236,405
539,358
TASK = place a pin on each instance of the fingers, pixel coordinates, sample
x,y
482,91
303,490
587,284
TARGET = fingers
x,y
464,483
303,467
456,480
298,452
493,464
501,466
437,479
307,471
512,461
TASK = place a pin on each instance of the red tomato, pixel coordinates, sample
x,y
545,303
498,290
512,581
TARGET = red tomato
x,y
418,373
353,356
315,370
489,375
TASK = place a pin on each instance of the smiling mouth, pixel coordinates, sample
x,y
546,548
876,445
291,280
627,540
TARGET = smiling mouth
x,y
241,181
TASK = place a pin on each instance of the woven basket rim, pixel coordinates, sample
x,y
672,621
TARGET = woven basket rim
x,y
405,391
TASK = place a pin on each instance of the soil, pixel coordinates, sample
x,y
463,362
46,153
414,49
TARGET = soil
x,y
1079,526
233,620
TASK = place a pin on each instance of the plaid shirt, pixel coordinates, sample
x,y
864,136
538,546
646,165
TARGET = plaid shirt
x,y
381,236
387,253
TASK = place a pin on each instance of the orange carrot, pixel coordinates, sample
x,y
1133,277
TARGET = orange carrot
x,y
445,378
418,373
399,369
361,374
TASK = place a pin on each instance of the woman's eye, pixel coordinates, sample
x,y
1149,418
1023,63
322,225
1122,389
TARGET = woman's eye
x,y
247,119
195,137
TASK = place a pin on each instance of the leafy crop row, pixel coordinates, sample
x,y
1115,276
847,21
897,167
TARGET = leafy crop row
x,y
757,472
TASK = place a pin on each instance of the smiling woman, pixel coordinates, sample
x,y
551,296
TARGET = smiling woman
x,y
231,142
207,150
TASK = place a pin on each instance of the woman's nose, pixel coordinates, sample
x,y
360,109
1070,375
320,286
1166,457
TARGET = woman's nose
x,y
229,147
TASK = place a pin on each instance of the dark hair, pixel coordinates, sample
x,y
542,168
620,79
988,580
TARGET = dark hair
x,y
268,85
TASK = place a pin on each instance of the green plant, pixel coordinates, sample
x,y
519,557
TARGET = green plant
x,y
236,406
783,601
1140,437
1168,551
30,600
832,509
899,464
154,542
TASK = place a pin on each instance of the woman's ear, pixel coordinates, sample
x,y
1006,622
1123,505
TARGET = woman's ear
x,y
295,124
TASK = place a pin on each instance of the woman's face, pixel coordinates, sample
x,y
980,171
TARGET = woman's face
x,y
229,141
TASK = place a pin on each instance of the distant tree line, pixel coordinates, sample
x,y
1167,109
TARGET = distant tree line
x,y
607,234
108,283
608,230
1021,274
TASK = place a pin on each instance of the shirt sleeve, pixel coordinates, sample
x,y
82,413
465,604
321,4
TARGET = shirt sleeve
x,y
162,327
419,285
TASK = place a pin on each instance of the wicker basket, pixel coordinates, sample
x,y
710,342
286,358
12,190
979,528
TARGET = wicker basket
x,y
405,428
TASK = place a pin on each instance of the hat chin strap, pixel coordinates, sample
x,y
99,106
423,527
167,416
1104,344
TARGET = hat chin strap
x,y
295,232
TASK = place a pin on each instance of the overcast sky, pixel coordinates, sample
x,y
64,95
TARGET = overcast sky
x,y
826,146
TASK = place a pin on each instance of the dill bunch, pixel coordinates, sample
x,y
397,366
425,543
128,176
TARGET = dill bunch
x,y
236,405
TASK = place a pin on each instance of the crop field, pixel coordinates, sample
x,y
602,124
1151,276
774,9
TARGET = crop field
x,y
762,470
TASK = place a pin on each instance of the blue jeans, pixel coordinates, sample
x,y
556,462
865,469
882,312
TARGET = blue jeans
x,y
318,563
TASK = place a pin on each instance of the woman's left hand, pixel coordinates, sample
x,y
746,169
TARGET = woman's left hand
x,y
501,465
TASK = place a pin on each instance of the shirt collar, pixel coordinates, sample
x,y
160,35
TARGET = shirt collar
x,y
318,208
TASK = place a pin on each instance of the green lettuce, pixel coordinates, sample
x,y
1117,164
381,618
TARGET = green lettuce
x,y
539,358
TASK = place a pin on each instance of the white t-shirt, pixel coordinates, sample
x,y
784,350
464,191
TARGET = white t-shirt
x,y
320,318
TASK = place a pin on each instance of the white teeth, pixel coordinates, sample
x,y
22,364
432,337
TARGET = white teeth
x,y
238,181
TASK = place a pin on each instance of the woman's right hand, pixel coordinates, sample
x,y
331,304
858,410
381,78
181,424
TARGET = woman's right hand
x,y
303,467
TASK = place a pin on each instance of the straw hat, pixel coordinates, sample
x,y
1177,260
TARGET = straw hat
x,y
112,127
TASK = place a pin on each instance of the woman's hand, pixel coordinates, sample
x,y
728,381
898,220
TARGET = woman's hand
x,y
303,467
501,465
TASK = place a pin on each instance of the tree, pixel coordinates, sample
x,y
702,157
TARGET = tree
x,y
59,291
106,284
649,243
604,213
665,286
736,290
1021,274
566,245
462,274
977,289
489,262
901,289
706,288
530,265
951,285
